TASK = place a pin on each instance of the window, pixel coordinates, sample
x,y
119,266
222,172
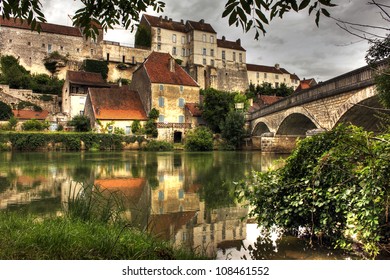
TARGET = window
x,y
183,39
181,119
43,46
173,38
158,47
265,75
276,84
161,87
181,89
257,75
123,59
181,194
77,50
276,76
204,61
183,52
204,51
127,130
133,60
10,41
212,52
240,57
92,51
161,101
28,43
173,50
181,102
212,62
49,48
234,56
223,55
159,38
211,39
189,38
161,118
110,128
108,56
159,31
204,38
61,48
82,100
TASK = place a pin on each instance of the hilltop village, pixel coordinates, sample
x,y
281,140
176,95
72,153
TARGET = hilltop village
x,y
169,64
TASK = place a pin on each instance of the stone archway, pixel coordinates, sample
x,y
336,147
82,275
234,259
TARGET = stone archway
x,y
295,124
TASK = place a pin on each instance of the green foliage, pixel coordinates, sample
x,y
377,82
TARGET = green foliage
x,y
256,14
81,123
35,125
118,130
135,127
12,123
96,66
151,128
143,37
267,89
43,83
233,128
24,104
334,184
5,111
379,50
27,141
13,74
217,104
158,146
199,139
153,114
382,81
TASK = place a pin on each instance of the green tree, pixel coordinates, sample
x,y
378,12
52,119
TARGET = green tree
x,y
249,14
151,125
233,128
96,66
143,37
13,74
135,126
216,105
5,111
35,125
199,139
81,123
12,123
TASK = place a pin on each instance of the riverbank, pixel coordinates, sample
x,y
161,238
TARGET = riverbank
x,y
60,238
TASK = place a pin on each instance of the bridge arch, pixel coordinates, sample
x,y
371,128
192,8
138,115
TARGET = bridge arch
x,y
296,124
260,128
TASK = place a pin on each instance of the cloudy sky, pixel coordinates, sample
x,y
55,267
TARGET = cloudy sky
x,y
294,42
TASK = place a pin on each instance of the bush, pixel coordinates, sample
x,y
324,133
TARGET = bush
x,y
5,111
233,128
35,125
200,139
81,123
158,146
96,66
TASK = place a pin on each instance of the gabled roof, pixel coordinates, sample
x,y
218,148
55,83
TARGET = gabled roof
x,y
266,69
165,23
193,108
294,77
305,84
30,114
86,78
269,99
200,26
157,66
46,27
116,104
235,45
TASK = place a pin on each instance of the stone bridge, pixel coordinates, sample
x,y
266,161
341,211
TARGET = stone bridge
x,y
349,98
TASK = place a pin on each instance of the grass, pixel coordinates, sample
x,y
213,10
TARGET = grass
x,y
60,238
90,229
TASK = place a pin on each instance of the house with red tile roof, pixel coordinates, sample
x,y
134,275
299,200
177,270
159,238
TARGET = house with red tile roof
x,y
75,89
164,85
116,107
305,84
275,75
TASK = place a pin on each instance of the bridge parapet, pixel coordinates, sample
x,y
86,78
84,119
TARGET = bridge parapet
x,y
354,80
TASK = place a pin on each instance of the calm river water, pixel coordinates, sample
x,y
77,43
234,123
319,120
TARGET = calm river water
x,y
186,198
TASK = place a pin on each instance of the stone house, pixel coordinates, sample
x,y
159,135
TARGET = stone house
x,y
275,75
194,115
75,89
164,85
31,48
207,59
115,107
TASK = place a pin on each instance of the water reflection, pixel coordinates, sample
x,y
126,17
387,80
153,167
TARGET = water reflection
x,y
187,198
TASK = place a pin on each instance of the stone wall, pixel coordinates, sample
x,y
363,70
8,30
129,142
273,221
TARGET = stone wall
x,y
233,78
277,144
14,96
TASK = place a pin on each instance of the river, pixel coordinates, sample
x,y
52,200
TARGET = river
x,y
185,198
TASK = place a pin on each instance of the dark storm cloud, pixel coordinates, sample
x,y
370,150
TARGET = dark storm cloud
x,y
294,42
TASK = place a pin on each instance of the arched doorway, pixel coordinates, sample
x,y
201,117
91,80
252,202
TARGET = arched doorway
x,y
177,137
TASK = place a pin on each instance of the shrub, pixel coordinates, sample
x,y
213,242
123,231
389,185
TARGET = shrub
x,y
135,126
5,111
81,123
35,125
158,146
96,66
200,139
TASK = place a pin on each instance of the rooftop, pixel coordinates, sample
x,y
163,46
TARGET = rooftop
x,y
266,69
86,78
30,114
157,65
116,104
235,45
193,108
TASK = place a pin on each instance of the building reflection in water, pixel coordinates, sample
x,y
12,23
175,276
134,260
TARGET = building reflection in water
x,y
185,198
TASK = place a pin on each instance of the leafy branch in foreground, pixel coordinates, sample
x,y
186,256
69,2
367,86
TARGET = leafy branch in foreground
x,y
335,185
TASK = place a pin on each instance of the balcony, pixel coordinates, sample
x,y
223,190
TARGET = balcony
x,y
174,125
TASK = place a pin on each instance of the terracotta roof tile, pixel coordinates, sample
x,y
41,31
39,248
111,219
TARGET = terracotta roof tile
x,y
157,65
165,23
194,109
266,69
30,114
235,45
305,84
86,78
269,99
116,104
294,77
46,27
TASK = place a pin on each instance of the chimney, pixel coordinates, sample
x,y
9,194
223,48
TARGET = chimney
x,y
238,42
201,21
182,21
223,38
160,18
170,19
277,66
166,18
172,63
